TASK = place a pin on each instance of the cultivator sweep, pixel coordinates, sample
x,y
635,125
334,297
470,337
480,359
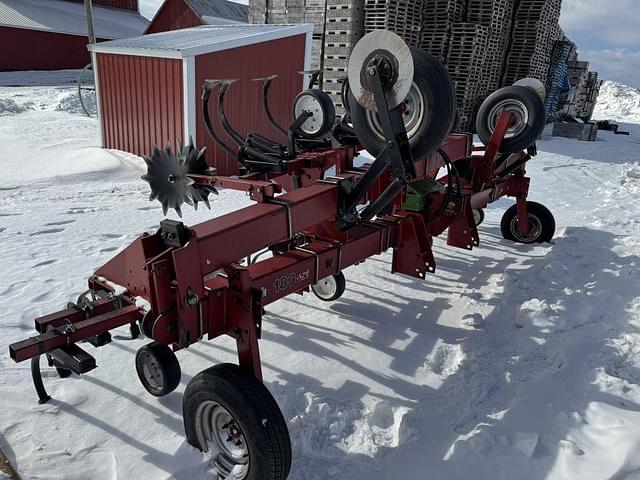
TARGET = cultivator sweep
x,y
317,212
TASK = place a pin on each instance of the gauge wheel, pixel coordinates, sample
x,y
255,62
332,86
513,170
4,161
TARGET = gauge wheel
x,y
529,122
234,420
542,224
323,112
429,110
158,369
330,288
478,216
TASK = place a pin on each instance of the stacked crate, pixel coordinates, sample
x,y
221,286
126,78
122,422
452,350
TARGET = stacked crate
x,y
437,18
293,12
465,62
534,29
496,15
344,27
563,51
403,17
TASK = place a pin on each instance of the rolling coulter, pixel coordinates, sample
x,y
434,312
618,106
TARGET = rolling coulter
x,y
318,210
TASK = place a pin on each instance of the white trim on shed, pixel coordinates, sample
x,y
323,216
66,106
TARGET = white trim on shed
x,y
190,42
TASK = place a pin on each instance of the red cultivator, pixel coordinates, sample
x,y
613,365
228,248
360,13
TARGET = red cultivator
x,y
184,283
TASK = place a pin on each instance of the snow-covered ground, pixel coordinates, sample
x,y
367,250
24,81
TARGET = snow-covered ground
x,y
510,362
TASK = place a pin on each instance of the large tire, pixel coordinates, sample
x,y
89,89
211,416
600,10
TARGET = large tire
x,y
430,110
254,423
158,369
530,113
542,224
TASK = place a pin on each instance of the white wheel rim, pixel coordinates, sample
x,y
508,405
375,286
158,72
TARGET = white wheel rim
x,y
414,111
535,229
517,108
221,438
325,288
309,103
477,216
151,371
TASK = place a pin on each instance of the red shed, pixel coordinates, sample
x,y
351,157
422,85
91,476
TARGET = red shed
x,y
52,34
176,14
149,87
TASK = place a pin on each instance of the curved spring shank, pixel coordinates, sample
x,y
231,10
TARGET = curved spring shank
x,y
207,88
229,130
266,86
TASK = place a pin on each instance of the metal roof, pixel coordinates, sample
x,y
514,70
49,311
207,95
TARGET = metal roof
x,y
220,9
68,17
189,42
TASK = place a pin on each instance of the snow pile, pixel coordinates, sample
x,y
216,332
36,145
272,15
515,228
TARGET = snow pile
x,y
70,103
10,107
618,102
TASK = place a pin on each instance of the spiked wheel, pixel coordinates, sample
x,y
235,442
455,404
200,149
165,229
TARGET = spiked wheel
x,y
167,175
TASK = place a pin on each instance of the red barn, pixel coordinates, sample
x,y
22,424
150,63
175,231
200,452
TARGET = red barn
x,y
149,87
176,14
52,34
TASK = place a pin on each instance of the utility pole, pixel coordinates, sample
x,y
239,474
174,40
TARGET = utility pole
x,y
89,12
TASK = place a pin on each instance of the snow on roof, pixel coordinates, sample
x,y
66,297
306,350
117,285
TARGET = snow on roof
x,y
67,17
220,9
198,40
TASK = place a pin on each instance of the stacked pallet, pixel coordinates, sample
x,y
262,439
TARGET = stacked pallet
x,y
534,29
563,53
437,18
465,62
293,12
496,15
344,27
403,17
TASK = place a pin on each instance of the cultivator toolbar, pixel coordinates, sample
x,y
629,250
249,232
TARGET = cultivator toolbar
x,y
317,212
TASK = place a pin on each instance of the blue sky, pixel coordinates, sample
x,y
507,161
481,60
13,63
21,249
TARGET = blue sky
x,y
607,33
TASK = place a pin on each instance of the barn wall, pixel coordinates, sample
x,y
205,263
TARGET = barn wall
x,y
284,57
141,102
173,15
124,4
36,50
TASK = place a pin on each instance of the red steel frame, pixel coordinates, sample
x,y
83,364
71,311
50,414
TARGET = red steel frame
x,y
202,288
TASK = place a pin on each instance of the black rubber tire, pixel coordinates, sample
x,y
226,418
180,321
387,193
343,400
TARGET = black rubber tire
x,y
537,117
167,366
480,218
254,410
539,213
328,111
433,80
341,286
134,330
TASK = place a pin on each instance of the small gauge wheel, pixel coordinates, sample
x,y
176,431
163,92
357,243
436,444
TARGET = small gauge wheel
x,y
330,288
320,105
158,369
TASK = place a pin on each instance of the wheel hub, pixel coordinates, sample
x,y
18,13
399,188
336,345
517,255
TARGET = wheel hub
x,y
535,229
326,287
519,111
221,437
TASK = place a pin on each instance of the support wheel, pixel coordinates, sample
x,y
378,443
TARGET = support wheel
x,y
542,225
478,216
232,417
158,369
330,288
530,117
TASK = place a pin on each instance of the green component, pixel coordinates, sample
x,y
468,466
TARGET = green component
x,y
418,193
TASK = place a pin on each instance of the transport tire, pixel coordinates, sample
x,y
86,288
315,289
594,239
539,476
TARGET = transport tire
x,y
330,288
541,222
478,216
429,110
321,106
229,413
530,114
158,369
